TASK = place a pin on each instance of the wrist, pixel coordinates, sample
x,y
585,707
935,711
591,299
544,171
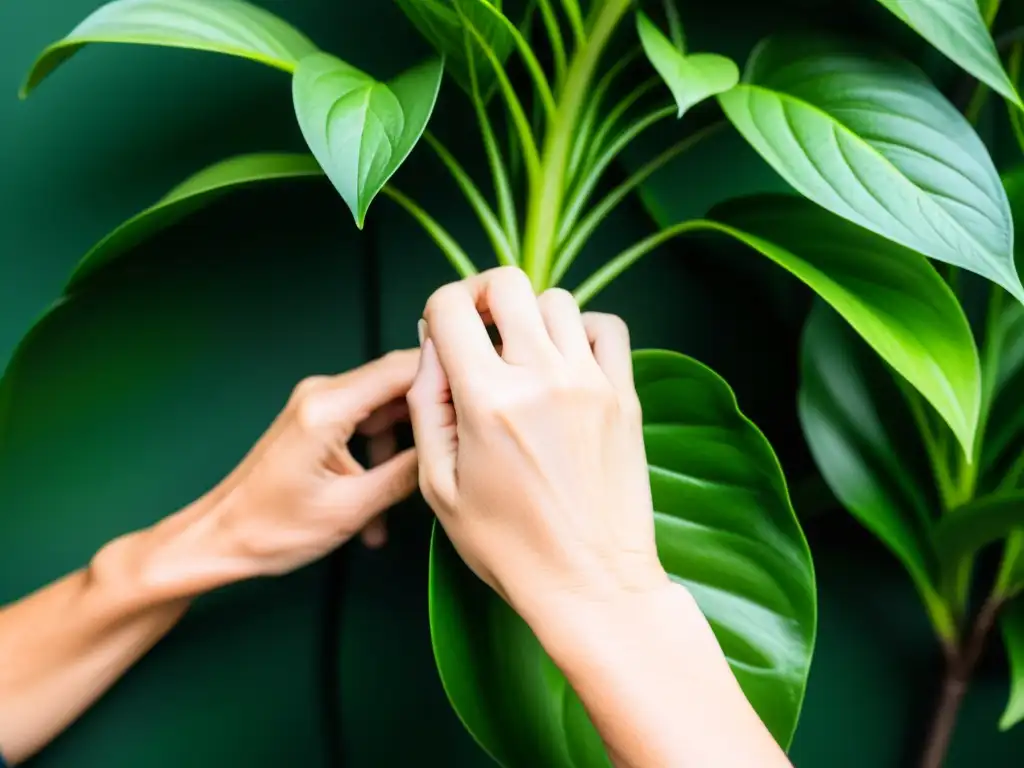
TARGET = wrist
x,y
179,558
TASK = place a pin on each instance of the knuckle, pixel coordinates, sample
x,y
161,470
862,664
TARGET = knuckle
x,y
606,323
509,278
441,298
308,413
306,388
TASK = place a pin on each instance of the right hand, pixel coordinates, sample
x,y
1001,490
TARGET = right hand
x,y
533,458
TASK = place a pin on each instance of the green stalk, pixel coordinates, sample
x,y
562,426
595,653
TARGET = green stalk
x,y
555,36
586,127
582,233
451,249
476,201
544,208
600,280
575,16
583,190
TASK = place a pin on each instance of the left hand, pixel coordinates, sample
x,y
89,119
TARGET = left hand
x,y
300,493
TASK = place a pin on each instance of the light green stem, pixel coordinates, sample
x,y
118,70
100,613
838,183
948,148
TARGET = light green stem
x,y
598,281
585,229
575,16
546,195
451,249
555,36
476,201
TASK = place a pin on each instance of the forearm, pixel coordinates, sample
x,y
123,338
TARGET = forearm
x,y
62,647
657,685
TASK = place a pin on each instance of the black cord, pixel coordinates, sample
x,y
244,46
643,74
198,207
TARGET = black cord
x,y
338,563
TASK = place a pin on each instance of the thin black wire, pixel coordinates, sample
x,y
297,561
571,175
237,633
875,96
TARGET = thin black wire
x,y
339,562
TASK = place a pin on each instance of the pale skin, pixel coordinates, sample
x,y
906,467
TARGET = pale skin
x,y
532,458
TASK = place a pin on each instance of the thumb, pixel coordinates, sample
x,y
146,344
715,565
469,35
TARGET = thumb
x,y
381,487
434,426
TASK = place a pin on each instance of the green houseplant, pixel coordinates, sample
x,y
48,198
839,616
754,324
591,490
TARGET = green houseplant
x,y
888,176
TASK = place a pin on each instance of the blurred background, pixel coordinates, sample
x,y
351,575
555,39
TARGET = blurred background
x,y
139,395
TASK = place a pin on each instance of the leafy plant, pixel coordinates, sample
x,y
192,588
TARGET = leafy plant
x,y
888,174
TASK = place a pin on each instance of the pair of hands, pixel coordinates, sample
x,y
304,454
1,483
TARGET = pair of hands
x,y
531,455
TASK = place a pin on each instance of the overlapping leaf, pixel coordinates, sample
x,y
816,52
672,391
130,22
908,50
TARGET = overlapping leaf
x,y
871,139
958,29
195,192
359,129
892,296
692,78
233,27
868,449
725,529
440,22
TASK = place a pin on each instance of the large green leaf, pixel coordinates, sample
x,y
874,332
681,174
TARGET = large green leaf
x,y
360,129
233,27
891,295
958,29
692,78
867,448
870,138
725,529
1012,622
193,193
440,22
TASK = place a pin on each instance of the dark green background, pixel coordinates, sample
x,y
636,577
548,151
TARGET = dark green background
x,y
143,392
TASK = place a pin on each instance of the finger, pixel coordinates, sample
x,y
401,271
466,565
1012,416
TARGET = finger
x,y
349,399
506,293
564,324
384,486
385,417
609,338
434,427
454,324
375,534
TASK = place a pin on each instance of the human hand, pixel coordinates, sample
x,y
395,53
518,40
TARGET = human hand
x,y
533,457
299,493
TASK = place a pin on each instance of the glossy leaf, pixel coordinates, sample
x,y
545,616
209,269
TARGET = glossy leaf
x,y
958,29
892,296
360,129
871,139
193,193
1012,624
439,21
725,529
868,449
233,27
692,78
1003,450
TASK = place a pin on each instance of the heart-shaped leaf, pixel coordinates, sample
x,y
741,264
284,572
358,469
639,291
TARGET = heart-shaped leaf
x,y
871,139
890,295
196,191
958,29
440,22
1012,624
869,451
725,529
360,129
233,27
691,78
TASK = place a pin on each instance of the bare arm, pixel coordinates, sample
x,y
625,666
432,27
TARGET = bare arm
x,y
564,530
656,683
297,495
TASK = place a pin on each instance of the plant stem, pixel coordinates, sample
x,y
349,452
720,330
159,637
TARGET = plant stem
x,y
545,204
600,212
960,664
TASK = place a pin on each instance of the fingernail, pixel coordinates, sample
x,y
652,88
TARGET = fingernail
x,y
421,329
